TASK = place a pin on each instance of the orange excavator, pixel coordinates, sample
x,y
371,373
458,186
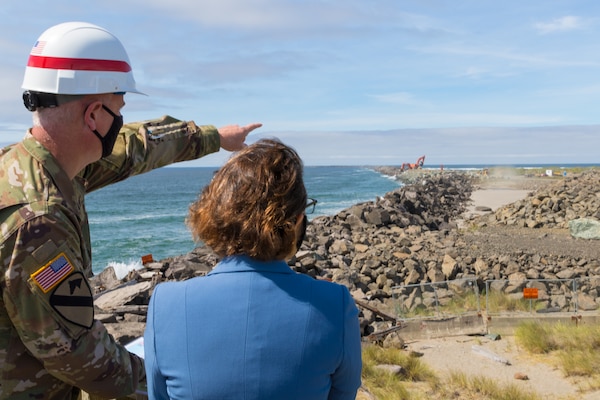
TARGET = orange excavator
x,y
417,165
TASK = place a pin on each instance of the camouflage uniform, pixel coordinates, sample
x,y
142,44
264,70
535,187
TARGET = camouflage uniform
x,y
50,344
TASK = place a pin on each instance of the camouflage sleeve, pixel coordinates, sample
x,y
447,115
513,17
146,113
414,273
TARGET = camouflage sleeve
x,y
144,146
50,304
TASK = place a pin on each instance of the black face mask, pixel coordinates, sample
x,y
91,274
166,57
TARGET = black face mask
x,y
108,141
302,233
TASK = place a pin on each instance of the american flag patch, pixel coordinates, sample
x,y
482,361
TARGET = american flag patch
x,y
52,273
38,47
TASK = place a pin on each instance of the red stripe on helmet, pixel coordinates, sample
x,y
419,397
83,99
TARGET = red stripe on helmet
x,y
78,64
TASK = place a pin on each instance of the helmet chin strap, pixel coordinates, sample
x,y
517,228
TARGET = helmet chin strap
x,y
34,100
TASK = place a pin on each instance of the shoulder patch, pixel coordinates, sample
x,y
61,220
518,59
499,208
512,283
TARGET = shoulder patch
x,y
52,273
73,300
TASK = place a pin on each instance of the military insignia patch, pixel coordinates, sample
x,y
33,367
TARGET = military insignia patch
x,y
72,299
52,273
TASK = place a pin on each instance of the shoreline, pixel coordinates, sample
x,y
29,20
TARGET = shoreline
x,y
485,201
496,186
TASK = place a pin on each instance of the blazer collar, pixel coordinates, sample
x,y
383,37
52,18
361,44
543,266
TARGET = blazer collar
x,y
242,263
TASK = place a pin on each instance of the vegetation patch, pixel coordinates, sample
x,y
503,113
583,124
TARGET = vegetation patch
x,y
574,348
415,380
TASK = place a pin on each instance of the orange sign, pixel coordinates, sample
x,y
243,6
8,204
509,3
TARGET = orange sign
x,y
147,258
530,293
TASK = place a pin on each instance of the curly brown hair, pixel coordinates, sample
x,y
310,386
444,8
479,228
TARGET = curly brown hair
x,y
252,203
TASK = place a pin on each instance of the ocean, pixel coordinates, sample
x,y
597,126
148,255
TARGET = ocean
x,y
145,214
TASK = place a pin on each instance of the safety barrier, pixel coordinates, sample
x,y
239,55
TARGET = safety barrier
x,y
464,296
437,299
532,296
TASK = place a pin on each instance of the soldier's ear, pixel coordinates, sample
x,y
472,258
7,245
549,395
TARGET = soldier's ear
x,y
91,114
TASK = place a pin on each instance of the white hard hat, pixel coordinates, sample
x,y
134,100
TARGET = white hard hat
x,y
78,58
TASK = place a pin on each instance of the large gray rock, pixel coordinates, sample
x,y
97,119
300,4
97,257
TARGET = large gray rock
x,y
585,228
131,293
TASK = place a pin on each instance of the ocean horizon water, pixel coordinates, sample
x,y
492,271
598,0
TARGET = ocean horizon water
x,y
145,214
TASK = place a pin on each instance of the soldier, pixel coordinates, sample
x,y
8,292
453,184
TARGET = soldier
x,y
50,344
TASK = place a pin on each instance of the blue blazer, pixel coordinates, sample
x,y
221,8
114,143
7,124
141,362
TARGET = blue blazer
x,y
252,330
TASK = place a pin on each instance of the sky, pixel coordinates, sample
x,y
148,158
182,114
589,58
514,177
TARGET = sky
x,y
351,82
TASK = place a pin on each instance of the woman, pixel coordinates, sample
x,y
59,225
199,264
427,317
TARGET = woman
x,y
253,328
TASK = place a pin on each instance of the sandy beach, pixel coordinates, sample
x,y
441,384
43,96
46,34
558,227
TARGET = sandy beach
x,y
493,194
500,360
494,198
504,188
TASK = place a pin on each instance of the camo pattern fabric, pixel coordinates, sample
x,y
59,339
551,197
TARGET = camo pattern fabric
x,y
51,347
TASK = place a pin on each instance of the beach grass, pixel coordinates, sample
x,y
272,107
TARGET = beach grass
x,y
415,380
481,387
384,384
497,301
574,349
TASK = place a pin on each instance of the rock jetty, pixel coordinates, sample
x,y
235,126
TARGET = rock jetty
x,y
410,236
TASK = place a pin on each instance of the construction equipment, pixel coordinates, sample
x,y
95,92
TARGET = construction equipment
x,y
417,165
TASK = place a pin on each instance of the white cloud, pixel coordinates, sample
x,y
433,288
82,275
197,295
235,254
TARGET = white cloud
x,y
353,66
403,98
563,24
474,72
268,15
467,145
533,57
